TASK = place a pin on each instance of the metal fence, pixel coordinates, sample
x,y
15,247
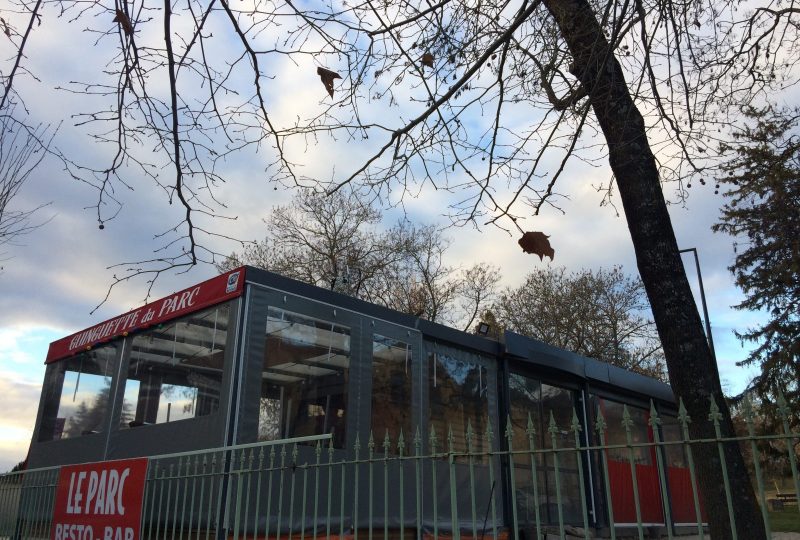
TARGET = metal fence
x,y
626,479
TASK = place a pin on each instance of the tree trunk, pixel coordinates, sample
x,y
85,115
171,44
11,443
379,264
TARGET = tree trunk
x,y
692,370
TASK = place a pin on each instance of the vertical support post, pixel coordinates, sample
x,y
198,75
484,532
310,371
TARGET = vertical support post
x,y
512,479
715,416
600,426
575,426
703,301
748,418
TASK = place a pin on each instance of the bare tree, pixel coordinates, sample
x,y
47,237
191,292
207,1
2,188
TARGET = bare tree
x,y
478,287
602,314
22,149
319,240
335,241
488,100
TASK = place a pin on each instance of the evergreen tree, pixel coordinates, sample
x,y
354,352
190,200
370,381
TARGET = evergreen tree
x,y
763,213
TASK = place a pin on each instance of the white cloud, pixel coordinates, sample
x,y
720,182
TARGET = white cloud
x,y
19,405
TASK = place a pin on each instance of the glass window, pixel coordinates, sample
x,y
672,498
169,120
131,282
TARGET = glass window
x,y
622,473
528,397
678,475
175,369
391,391
304,378
671,431
560,403
525,398
614,416
81,386
458,398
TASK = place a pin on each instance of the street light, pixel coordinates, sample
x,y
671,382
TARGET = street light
x,y
703,300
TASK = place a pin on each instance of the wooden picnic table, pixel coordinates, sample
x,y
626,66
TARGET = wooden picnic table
x,y
781,499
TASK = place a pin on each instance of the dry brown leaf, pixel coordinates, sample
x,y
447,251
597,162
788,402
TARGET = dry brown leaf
x,y
124,22
427,60
6,29
327,76
538,243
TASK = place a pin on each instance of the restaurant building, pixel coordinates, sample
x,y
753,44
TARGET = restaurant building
x,y
252,356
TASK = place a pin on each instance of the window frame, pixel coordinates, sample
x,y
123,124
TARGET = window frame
x,y
226,368
54,384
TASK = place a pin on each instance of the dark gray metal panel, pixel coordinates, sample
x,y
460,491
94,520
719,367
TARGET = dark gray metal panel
x,y
634,382
359,387
597,370
50,379
167,438
466,340
539,353
84,449
238,318
253,357
115,399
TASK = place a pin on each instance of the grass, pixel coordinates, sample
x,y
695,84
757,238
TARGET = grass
x,y
786,520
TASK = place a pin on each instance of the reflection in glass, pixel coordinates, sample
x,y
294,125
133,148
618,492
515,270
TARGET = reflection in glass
x,y
175,370
85,382
531,399
304,378
391,391
675,454
679,478
458,398
627,465
614,415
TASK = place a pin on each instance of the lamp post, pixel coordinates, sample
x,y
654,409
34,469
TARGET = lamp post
x,y
703,300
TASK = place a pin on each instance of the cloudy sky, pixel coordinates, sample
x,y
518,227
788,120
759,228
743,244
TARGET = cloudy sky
x,y
54,277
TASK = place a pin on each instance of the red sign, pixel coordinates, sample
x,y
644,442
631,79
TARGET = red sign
x,y
215,290
99,501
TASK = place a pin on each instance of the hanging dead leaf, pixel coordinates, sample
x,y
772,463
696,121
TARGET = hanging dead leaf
x,y
6,29
537,242
124,22
327,76
427,60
